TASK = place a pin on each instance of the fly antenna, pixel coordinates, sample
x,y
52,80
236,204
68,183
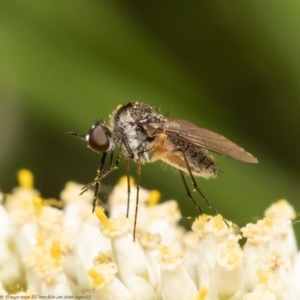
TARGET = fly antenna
x,y
79,135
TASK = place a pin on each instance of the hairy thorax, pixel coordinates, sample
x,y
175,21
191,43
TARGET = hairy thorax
x,y
128,123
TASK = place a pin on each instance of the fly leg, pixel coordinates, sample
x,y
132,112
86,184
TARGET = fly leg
x,y
100,174
138,183
196,188
128,187
189,193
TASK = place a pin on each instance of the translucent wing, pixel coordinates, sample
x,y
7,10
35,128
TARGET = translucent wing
x,y
207,139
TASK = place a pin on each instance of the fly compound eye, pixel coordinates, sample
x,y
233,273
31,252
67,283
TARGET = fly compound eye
x,y
98,138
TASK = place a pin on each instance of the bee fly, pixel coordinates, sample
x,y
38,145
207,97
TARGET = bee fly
x,y
144,135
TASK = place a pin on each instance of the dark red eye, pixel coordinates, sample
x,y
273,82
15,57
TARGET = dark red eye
x,y
98,138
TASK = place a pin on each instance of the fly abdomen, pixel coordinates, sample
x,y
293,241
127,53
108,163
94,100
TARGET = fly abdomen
x,y
200,162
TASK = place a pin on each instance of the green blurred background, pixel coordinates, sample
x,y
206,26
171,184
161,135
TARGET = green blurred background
x,y
230,66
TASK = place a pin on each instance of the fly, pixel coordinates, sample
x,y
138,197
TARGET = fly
x,y
144,135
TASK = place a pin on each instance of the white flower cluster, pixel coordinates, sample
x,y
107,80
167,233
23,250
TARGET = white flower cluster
x,y
72,252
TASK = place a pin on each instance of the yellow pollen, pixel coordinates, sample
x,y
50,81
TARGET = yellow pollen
x,y
55,251
38,204
154,197
25,179
202,295
99,212
97,277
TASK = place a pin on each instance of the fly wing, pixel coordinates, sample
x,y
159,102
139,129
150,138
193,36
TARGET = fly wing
x,y
206,139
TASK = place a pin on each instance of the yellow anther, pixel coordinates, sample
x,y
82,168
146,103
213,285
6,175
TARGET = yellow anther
x,y
154,197
123,180
262,276
25,178
164,250
99,212
55,251
103,258
202,294
97,277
